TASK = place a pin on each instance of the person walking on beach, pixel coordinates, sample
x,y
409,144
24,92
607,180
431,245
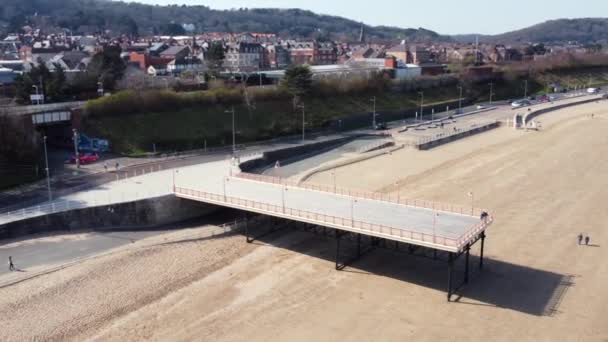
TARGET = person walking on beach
x,y
587,239
580,239
11,266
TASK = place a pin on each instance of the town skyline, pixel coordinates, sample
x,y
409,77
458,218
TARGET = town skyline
x,y
520,14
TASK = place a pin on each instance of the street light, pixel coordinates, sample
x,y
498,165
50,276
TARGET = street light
x,y
100,88
175,172
75,137
260,75
472,202
435,214
421,93
48,177
333,173
460,100
303,121
37,94
525,89
373,99
491,92
233,131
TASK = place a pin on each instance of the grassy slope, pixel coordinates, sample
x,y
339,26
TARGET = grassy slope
x,y
188,128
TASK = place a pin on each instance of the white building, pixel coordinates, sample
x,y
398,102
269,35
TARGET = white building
x,y
244,57
407,71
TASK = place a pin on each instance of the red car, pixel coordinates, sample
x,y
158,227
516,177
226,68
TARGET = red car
x,y
85,158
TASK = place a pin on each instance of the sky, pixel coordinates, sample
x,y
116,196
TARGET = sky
x,y
443,16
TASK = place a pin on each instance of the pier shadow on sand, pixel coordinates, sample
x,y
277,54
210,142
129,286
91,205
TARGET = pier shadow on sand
x,y
500,284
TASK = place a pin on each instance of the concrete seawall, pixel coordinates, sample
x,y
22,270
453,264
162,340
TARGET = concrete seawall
x,y
291,154
144,214
453,137
387,149
530,116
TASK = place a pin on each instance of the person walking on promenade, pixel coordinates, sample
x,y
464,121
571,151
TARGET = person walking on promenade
x,y
11,266
587,239
483,216
580,239
105,166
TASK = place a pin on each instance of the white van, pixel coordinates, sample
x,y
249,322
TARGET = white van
x,y
592,90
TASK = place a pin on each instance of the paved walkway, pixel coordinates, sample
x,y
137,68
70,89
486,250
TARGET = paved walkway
x,y
438,226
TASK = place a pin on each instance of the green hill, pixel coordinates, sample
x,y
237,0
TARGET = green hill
x,y
136,18
584,30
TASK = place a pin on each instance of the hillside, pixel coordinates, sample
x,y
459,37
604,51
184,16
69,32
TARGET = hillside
x,y
84,16
584,30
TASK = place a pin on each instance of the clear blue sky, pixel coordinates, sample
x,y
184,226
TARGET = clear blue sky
x,y
443,16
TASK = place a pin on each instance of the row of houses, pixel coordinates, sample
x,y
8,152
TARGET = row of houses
x,y
161,58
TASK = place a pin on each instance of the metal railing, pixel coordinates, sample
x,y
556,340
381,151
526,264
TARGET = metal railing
x,y
341,222
375,146
358,194
58,206
121,174
34,109
454,132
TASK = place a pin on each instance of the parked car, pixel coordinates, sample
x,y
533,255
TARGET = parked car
x,y
593,90
85,158
543,98
380,126
520,103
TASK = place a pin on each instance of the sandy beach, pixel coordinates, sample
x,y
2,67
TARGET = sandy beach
x,y
543,187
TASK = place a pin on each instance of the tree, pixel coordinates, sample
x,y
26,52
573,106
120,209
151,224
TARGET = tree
x,y
128,25
23,88
174,29
107,66
215,57
56,88
54,84
297,80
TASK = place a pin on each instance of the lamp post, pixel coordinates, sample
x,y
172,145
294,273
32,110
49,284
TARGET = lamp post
x,y
100,88
373,100
434,224
37,94
303,121
48,176
260,75
491,92
333,173
460,100
175,172
472,201
525,89
233,131
75,137
421,93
